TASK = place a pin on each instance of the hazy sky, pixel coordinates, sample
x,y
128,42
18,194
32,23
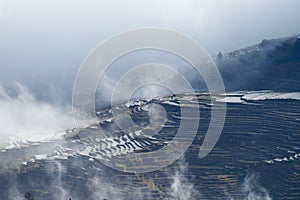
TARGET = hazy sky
x,y
45,38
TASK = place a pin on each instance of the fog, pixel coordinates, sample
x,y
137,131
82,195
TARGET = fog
x,y
24,118
43,43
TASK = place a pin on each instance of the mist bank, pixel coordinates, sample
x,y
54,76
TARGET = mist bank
x,y
273,64
24,117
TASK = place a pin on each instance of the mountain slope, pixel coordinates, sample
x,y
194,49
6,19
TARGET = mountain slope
x,y
271,65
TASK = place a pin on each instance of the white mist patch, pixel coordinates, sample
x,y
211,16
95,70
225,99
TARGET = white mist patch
x,y
61,192
181,188
102,189
24,118
253,190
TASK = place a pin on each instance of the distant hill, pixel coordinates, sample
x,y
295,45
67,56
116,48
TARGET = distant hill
x,y
270,65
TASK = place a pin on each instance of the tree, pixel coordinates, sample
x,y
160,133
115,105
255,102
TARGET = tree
x,y
28,196
220,55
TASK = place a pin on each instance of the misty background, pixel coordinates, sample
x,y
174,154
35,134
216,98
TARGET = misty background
x,y
43,43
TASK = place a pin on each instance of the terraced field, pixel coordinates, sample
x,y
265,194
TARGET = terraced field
x,y
256,156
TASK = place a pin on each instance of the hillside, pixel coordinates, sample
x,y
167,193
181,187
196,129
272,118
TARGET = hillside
x,y
270,65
